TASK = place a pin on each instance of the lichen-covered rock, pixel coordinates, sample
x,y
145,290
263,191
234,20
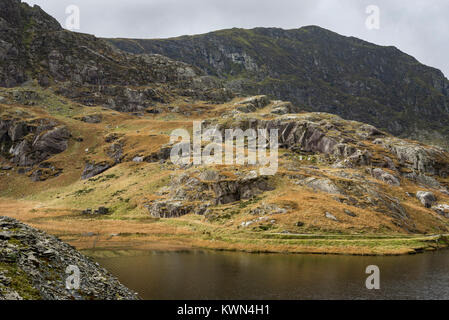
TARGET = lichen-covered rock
x,y
34,265
442,209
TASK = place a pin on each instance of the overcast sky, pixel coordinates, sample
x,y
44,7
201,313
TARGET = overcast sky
x,y
417,27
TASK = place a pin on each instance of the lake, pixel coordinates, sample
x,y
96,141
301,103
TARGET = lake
x,y
218,275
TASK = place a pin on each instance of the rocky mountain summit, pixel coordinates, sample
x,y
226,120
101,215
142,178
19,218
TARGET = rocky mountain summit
x,y
319,70
33,265
87,69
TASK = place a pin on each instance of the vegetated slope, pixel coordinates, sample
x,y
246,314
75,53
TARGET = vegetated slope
x,y
115,180
92,148
319,70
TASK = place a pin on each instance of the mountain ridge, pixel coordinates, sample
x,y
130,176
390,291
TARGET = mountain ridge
x,y
87,129
320,70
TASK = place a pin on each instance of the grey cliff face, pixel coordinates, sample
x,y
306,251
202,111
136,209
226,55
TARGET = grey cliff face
x,y
318,70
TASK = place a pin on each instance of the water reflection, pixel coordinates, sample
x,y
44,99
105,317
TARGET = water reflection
x,y
212,275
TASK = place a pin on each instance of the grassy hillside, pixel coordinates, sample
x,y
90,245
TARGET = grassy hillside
x,y
85,130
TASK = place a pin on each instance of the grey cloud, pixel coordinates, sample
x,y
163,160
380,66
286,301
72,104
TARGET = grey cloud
x,y
417,27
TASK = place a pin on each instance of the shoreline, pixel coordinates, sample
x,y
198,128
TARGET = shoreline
x,y
99,252
161,247
183,234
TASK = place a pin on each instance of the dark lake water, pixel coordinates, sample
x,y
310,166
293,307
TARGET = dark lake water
x,y
217,275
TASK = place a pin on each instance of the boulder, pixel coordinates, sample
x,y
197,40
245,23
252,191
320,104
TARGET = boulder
x,y
168,209
252,104
331,216
442,209
92,169
138,159
92,118
350,213
385,177
42,262
427,198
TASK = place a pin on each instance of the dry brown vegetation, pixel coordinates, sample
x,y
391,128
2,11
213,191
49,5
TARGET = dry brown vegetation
x,y
55,205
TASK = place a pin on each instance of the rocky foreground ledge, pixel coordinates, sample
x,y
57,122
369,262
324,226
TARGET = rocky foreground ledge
x,y
33,265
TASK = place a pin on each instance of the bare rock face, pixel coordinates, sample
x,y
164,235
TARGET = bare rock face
x,y
330,216
280,63
29,143
422,159
93,169
33,265
169,209
15,26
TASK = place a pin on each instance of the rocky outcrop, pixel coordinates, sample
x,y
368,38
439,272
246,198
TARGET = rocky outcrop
x,y
320,71
44,171
34,265
422,159
194,192
324,185
268,209
385,177
349,144
28,143
169,209
91,118
283,107
442,209
252,104
93,169
115,151
100,211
